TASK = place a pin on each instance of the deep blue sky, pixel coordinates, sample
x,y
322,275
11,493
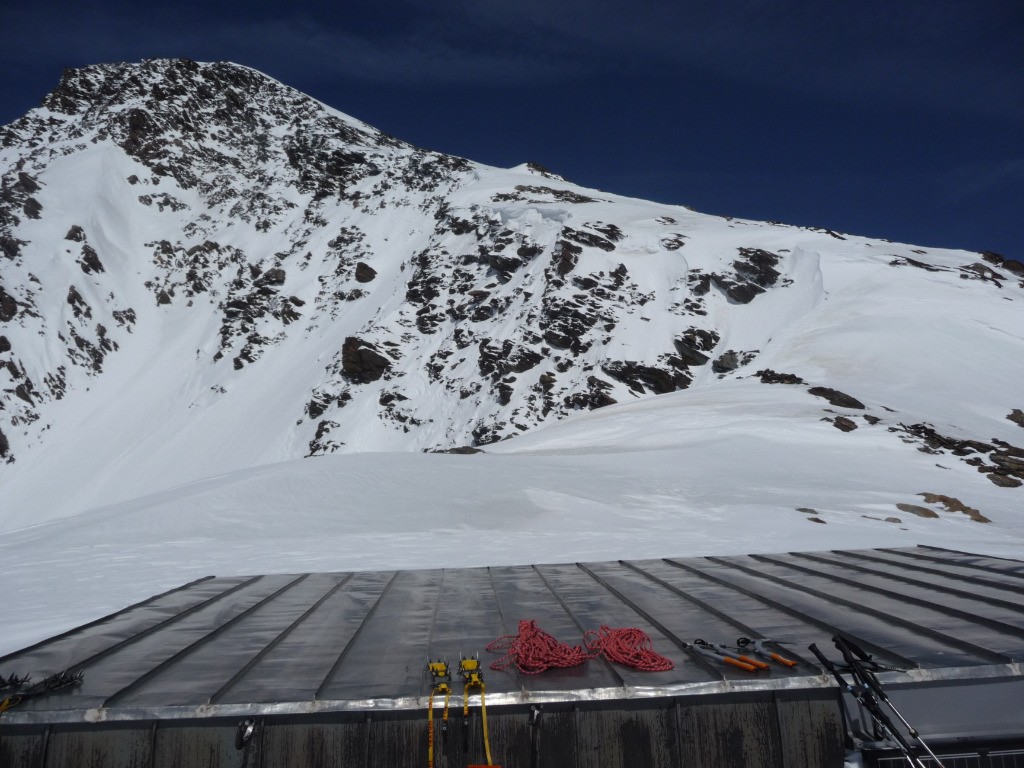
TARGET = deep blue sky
x,y
898,118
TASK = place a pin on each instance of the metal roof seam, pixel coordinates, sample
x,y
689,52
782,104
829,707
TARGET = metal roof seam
x,y
947,561
108,617
577,622
670,636
979,580
803,616
969,554
703,605
942,637
163,624
344,651
152,672
995,624
222,691
915,582
504,625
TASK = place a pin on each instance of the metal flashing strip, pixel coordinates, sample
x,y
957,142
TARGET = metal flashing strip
x,y
953,676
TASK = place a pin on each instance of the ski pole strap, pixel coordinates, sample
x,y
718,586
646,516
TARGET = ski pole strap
x,y
535,713
862,692
829,666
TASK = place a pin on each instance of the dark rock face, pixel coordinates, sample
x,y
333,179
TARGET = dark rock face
x,y
976,270
836,398
844,424
1017,417
768,376
364,273
8,306
954,505
917,509
689,354
1009,265
361,362
731,359
644,379
935,442
90,261
753,272
1005,465
595,396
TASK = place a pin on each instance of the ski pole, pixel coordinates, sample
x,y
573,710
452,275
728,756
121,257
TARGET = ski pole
x,y
863,696
849,649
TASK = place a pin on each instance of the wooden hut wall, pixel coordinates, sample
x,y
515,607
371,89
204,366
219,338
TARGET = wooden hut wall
x,y
766,729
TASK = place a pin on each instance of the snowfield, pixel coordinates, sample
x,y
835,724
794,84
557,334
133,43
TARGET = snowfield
x,y
701,472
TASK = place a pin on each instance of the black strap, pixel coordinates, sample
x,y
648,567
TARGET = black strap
x,y
535,712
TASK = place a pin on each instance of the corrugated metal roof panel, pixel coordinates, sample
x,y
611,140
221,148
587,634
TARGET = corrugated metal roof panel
x,y
304,643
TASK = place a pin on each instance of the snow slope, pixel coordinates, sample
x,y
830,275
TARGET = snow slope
x,y
711,471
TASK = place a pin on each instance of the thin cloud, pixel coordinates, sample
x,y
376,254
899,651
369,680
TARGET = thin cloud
x,y
939,55
295,44
979,179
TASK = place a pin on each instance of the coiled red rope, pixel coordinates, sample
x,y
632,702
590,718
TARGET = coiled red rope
x,y
533,651
626,645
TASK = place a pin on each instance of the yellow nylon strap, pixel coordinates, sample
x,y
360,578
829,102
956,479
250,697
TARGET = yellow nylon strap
x,y
430,730
477,683
8,702
447,691
483,717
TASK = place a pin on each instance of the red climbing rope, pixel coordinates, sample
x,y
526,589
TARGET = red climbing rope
x,y
533,651
628,646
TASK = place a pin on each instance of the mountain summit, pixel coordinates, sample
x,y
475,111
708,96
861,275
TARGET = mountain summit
x,y
203,270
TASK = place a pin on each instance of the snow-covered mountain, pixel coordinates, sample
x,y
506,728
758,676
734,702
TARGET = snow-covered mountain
x,y
204,272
